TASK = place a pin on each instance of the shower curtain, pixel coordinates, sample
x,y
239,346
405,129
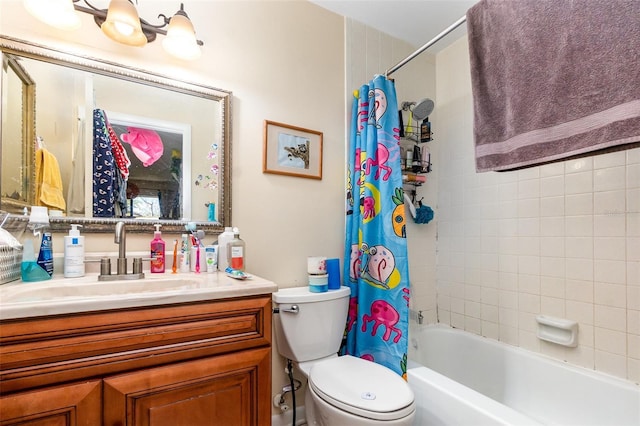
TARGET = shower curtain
x,y
376,263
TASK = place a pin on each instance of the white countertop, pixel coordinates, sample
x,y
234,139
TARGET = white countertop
x,y
60,295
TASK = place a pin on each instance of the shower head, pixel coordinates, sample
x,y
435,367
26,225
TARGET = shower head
x,y
423,109
406,106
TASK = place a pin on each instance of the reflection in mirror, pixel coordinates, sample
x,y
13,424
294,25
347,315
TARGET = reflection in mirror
x,y
191,121
154,150
18,134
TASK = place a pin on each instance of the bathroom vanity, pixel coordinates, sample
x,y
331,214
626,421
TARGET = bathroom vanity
x,y
191,351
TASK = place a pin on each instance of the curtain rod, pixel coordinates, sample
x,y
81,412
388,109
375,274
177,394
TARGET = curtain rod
x,y
430,43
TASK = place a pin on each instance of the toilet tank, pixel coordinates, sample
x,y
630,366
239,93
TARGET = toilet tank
x,y
315,331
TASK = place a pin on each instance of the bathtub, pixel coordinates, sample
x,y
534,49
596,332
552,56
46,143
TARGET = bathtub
x,y
464,379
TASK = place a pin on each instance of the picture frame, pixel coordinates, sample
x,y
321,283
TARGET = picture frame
x,y
292,151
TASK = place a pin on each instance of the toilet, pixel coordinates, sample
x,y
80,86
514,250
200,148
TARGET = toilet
x,y
341,390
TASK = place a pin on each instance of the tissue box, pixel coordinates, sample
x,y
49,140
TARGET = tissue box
x,y
10,259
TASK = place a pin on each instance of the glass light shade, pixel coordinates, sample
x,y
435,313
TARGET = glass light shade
x,y
123,24
180,40
57,13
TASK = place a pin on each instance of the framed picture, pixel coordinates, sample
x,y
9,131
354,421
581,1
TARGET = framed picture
x,y
292,151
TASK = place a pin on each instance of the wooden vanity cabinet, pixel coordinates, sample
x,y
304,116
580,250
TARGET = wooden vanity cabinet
x,y
191,364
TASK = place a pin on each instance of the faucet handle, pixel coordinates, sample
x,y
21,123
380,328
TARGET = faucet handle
x,y
105,266
137,264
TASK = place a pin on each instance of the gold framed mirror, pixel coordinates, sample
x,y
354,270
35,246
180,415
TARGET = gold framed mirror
x,y
18,133
203,109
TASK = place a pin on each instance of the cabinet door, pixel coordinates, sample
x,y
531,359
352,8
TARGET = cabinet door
x,y
232,389
71,405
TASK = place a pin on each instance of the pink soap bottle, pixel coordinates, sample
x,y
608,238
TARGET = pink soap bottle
x,y
157,251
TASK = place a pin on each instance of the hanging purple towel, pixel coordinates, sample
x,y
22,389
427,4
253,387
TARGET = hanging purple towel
x,y
553,79
104,170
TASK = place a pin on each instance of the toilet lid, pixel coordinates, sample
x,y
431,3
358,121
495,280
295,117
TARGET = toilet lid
x,y
362,388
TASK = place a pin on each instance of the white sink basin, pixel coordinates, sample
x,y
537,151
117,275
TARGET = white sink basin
x,y
68,295
60,289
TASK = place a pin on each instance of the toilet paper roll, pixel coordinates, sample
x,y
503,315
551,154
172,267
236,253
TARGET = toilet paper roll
x,y
318,283
318,279
316,265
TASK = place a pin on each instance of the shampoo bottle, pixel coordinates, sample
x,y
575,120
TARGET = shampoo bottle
x,y
157,251
425,130
236,251
74,253
223,241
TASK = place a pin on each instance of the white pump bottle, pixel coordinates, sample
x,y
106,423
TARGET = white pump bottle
x,y
74,253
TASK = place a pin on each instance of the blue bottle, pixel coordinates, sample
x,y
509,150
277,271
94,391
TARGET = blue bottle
x,y
30,271
45,256
37,267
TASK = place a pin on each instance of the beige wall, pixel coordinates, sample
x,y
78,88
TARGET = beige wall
x,y
276,58
561,240
284,62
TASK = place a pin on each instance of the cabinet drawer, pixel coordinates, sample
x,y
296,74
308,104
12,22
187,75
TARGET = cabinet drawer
x,y
40,351
74,404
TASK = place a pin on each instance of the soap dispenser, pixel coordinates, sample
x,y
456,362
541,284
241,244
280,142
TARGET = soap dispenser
x,y
157,251
74,253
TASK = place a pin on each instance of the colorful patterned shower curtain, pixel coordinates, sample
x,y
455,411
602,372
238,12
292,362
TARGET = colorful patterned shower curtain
x,y
377,271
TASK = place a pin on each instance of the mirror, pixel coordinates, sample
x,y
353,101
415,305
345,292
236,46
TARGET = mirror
x,y
180,173
18,127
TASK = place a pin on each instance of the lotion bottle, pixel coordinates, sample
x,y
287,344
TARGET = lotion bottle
x,y
157,251
74,253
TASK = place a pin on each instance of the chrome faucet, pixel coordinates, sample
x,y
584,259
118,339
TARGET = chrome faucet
x,y
120,238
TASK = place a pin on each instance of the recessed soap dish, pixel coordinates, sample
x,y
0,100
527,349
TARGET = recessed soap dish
x,y
558,330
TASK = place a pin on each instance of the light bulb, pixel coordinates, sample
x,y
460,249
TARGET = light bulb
x,y
56,13
123,24
180,40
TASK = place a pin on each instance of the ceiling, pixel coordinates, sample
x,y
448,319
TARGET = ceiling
x,y
414,21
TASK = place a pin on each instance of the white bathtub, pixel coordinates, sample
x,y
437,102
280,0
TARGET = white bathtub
x,y
464,379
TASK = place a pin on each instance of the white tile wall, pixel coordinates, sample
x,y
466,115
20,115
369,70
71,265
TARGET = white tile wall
x,y
562,239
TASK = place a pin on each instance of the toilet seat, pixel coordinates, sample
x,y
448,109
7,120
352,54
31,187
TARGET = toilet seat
x,y
362,388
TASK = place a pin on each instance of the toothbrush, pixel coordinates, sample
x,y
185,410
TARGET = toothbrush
x,y
198,257
199,237
175,257
196,238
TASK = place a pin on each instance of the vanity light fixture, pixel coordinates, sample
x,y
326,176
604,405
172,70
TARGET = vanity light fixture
x,y
121,23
